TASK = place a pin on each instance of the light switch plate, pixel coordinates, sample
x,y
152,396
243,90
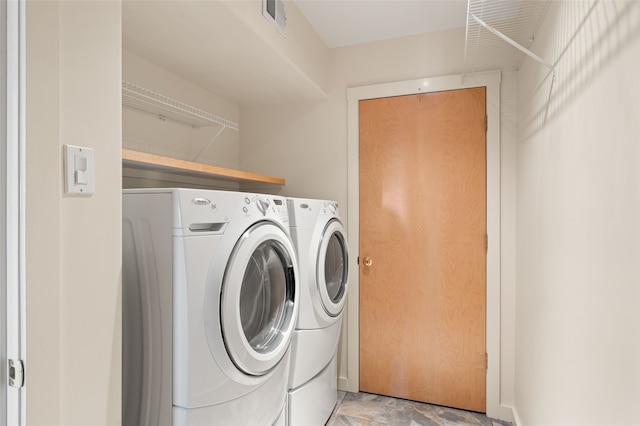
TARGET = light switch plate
x,y
78,170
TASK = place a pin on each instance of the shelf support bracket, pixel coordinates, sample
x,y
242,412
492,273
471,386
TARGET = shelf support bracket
x,y
526,52
204,148
513,43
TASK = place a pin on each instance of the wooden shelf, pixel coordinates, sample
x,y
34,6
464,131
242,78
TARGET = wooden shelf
x,y
137,159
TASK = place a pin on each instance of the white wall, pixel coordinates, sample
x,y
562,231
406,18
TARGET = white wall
x,y
307,144
43,175
301,47
578,230
508,241
73,244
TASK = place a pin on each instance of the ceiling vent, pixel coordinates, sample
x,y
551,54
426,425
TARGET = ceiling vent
x,y
273,10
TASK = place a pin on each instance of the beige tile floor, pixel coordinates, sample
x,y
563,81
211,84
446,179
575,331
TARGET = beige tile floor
x,y
364,409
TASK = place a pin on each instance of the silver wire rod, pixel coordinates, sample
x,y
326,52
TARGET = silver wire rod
x,y
204,148
513,43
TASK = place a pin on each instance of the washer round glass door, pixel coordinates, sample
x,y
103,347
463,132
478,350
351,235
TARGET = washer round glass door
x,y
258,301
332,267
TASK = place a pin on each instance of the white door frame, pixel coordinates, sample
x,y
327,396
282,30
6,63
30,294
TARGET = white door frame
x,y
13,202
491,81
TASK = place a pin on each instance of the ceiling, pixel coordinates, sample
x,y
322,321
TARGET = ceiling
x,y
342,23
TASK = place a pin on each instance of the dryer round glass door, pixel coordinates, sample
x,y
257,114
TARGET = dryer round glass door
x,y
332,267
259,299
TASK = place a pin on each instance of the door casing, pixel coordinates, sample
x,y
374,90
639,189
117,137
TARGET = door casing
x,y
490,80
13,201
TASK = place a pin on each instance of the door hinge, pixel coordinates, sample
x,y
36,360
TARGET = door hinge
x,y
486,243
486,123
16,373
358,260
486,361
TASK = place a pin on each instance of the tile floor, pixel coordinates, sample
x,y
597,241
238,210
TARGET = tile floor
x,y
364,409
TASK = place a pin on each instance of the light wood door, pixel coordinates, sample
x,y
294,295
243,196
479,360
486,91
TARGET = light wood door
x,y
422,233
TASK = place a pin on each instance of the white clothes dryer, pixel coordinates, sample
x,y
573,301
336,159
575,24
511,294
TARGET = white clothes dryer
x,y
210,302
321,246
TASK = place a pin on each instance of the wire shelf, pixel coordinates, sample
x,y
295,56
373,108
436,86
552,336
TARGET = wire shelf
x,y
516,20
141,99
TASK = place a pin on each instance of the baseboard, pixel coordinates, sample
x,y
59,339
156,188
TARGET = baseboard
x,y
509,414
516,418
343,384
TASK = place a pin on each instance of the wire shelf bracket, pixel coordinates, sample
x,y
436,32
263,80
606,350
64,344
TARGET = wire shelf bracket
x,y
514,22
513,43
492,22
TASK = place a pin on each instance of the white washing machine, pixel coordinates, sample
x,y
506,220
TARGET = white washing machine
x,y
210,302
321,245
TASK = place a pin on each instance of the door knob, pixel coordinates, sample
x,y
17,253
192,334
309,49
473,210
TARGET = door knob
x,y
368,261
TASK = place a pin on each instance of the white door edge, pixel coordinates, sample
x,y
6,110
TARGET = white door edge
x,y
14,202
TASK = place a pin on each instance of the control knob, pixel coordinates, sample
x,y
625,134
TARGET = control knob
x,y
263,205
